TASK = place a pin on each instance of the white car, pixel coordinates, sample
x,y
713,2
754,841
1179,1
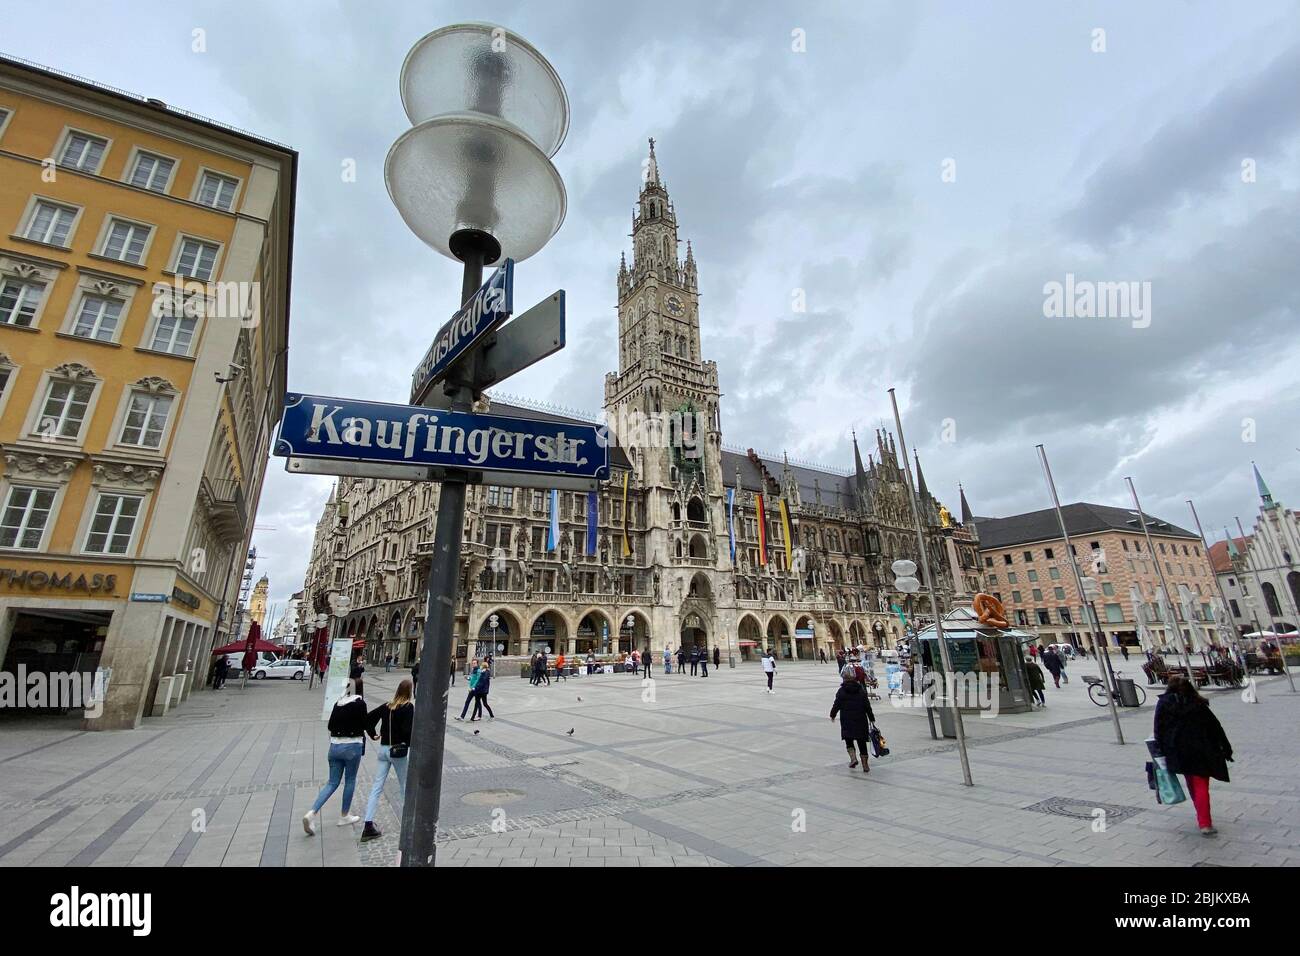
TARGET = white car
x,y
295,670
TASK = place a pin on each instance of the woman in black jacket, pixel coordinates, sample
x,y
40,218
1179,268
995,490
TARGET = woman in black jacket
x,y
481,695
1193,743
855,714
347,727
394,719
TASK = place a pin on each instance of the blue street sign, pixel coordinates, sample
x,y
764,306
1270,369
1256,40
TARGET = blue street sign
x,y
345,430
487,308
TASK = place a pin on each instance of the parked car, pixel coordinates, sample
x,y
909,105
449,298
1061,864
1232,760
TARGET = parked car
x,y
236,661
295,670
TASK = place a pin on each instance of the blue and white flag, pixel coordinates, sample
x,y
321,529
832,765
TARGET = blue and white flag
x,y
553,533
592,505
731,521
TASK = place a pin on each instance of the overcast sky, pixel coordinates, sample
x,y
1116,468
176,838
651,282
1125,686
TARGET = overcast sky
x,y
1172,157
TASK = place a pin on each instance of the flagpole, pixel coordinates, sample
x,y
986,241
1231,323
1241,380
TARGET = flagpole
x,y
1160,573
1083,595
1223,597
948,674
1259,589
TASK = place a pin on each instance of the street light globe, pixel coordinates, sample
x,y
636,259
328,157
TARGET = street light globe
x,y
475,170
484,68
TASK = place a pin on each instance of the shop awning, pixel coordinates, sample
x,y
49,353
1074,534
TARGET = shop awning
x,y
748,643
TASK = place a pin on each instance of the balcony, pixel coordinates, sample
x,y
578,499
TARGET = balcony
x,y
226,507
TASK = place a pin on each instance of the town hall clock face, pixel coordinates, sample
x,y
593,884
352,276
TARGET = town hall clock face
x,y
674,305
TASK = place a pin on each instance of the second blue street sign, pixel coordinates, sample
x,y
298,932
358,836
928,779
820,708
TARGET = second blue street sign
x,y
487,308
346,430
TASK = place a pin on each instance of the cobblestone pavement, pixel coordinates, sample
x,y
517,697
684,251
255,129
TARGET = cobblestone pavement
x,y
611,771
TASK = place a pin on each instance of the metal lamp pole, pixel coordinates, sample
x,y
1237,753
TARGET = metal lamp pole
x,y
1259,589
1160,573
1223,597
934,601
1084,596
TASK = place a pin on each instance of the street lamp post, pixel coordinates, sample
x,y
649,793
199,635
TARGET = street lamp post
x,y
1160,573
474,180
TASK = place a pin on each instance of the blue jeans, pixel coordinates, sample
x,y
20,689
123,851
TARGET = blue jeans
x,y
344,759
381,774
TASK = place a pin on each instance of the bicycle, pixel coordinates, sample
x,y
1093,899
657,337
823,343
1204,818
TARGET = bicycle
x,y
1097,691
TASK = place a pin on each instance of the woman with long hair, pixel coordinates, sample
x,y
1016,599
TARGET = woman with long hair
x,y
1193,743
347,727
481,689
471,679
394,720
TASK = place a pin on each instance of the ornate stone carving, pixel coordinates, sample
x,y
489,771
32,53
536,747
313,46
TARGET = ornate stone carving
x,y
32,462
154,384
127,475
73,370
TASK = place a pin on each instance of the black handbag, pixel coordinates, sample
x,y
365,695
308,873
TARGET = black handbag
x,y
878,744
395,751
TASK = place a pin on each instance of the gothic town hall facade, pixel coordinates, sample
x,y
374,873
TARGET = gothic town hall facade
x,y
660,570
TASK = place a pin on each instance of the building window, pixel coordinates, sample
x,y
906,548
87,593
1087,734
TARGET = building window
x,y
1032,575
507,497
1114,614
65,408
1029,557
173,334
151,172
1015,597
493,496
993,580
113,524
1060,593
1043,617
145,420
19,301
1236,611
1006,559
50,223
97,318
1013,578
1047,552
1037,593
25,515
1108,589
1054,573
125,241
988,562
1065,615
197,259
83,152
217,191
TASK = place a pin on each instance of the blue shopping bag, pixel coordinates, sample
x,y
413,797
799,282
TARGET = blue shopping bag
x,y
1168,790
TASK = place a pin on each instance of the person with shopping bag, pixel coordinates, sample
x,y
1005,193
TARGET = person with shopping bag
x,y
1192,742
856,718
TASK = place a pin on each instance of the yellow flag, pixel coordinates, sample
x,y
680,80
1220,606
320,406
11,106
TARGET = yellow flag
x,y
627,549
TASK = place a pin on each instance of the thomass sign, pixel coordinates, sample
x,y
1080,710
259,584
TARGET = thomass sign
x,y
487,308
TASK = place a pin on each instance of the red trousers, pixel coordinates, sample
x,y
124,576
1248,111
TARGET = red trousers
x,y
1199,787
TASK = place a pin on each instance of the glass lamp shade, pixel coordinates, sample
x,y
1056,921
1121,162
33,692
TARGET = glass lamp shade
x,y
483,68
470,171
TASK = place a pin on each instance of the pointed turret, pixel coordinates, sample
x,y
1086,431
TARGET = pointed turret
x,y
690,275
652,166
1264,493
921,489
859,472
966,517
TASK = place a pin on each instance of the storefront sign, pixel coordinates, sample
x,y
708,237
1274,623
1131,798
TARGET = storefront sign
x,y
146,598
191,601
53,581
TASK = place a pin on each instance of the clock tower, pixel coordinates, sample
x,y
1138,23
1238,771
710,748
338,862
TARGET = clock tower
x,y
663,402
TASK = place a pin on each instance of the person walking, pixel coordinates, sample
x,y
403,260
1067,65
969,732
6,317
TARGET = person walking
x,y
856,717
545,667
704,662
717,656
1036,680
472,680
535,662
695,661
347,728
1052,661
415,674
668,659
559,667
394,720
388,663
591,662
681,659
219,675
769,668
634,662
481,695
354,674
839,659
1123,649
647,661
1193,743
1065,678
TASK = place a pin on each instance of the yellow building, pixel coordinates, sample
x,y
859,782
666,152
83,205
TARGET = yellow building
x,y
257,603
144,309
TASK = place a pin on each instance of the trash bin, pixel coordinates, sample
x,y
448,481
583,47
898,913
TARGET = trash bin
x,y
1128,695
947,725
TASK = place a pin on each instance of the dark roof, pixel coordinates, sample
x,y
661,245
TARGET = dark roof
x,y
1080,518
836,490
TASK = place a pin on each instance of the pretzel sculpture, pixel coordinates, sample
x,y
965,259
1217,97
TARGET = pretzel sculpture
x,y
990,610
